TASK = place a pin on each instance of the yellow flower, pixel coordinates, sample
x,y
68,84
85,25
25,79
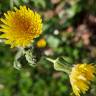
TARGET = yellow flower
x,y
21,26
41,43
80,77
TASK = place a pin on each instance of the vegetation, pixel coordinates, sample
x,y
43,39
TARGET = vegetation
x,y
69,30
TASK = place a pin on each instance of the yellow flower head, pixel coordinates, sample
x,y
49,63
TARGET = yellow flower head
x,y
21,26
41,43
80,77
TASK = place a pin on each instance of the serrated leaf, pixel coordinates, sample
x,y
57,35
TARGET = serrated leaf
x,y
29,57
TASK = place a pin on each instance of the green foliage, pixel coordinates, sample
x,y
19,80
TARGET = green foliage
x,y
61,22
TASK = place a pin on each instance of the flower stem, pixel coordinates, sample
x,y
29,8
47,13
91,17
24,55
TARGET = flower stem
x,y
51,60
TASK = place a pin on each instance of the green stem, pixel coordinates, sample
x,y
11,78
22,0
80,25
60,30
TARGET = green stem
x,y
11,4
60,66
51,60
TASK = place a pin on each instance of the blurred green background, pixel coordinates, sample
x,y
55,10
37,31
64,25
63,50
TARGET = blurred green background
x,y
69,27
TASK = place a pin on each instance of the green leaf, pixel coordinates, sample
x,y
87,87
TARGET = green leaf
x,y
53,42
30,58
17,65
40,3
